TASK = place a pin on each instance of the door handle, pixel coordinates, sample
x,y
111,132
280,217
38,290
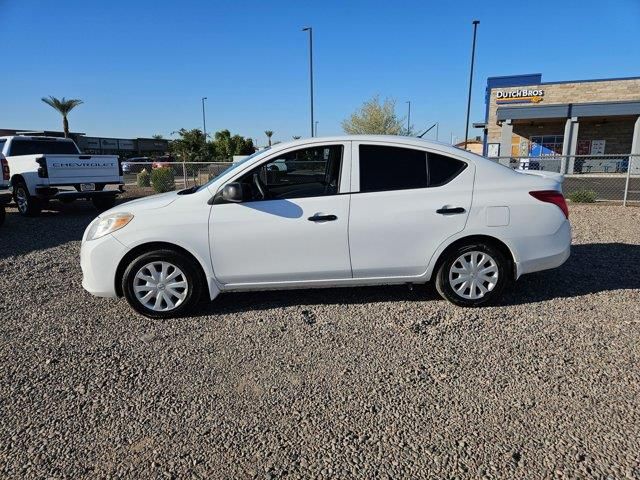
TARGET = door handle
x,y
450,210
322,218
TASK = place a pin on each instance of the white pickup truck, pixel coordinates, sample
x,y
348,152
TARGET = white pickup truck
x,y
46,168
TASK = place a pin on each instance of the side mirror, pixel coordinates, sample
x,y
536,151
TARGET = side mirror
x,y
232,192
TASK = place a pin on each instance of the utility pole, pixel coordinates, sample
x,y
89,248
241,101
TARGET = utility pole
x,y
204,121
310,30
473,56
409,118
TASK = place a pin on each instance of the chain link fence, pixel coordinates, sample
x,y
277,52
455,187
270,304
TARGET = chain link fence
x,y
186,174
587,178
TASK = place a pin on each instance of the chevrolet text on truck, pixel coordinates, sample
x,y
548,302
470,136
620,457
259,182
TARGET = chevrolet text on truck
x,y
48,168
328,212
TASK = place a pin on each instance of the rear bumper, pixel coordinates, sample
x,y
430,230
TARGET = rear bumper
x,y
544,252
56,193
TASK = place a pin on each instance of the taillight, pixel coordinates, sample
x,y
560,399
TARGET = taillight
x,y
552,196
6,174
42,170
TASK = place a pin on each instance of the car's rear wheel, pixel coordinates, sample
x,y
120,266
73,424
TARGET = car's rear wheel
x,y
28,205
473,275
162,284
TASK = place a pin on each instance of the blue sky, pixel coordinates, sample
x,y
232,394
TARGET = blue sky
x,y
142,66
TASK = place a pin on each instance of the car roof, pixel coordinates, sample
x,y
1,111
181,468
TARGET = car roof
x,y
398,139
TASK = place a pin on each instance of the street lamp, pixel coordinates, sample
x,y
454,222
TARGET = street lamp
x,y
473,56
204,121
409,118
310,30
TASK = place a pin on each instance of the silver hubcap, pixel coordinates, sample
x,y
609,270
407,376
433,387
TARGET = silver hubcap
x,y
473,275
160,286
21,199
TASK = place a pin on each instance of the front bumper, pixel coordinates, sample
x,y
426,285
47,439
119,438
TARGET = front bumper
x,y
99,260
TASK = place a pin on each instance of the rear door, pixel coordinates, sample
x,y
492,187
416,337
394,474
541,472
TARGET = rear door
x,y
408,202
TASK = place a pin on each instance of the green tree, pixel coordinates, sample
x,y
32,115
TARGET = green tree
x,y
296,137
374,117
63,106
269,134
226,145
191,146
157,136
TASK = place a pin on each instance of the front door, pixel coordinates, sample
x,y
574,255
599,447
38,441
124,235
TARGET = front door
x,y
409,202
292,224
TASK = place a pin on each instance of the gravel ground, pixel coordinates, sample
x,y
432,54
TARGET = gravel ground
x,y
368,382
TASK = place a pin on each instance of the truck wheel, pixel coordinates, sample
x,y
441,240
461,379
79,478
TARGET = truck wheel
x,y
162,284
28,205
103,203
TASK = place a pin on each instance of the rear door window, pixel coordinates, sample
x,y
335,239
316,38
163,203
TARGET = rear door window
x,y
391,168
443,169
384,168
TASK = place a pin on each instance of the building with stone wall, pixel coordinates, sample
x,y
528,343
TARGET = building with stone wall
x,y
526,117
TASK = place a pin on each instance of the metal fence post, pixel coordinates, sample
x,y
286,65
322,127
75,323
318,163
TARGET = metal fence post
x,y
626,183
184,174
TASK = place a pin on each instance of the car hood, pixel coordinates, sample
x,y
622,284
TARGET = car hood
x,y
147,203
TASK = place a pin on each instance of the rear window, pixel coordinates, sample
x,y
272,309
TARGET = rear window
x,y
46,147
2,142
385,168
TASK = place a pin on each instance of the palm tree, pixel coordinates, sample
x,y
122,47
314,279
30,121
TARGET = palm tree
x,y
269,134
63,106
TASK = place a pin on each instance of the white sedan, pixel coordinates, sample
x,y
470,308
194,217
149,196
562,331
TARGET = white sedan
x,y
358,210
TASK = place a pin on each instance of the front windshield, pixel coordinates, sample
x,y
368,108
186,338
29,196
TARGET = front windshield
x,y
235,165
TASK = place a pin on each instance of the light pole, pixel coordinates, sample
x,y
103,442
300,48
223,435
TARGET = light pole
x,y
317,122
409,117
473,57
204,121
310,30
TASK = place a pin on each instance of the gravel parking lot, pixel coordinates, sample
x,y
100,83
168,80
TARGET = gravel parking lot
x,y
369,382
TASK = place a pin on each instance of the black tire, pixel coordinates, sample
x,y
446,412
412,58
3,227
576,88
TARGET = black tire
x,y
104,202
446,277
3,214
28,205
190,271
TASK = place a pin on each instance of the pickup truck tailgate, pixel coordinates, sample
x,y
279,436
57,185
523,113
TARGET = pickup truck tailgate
x,y
73,169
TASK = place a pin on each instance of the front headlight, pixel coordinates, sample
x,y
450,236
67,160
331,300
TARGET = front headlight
x,y
108,224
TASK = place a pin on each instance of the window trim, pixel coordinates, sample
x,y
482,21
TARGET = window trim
x,y
344,178
355,165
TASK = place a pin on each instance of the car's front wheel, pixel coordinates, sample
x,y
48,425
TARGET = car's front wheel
x,y
473,275
162,284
